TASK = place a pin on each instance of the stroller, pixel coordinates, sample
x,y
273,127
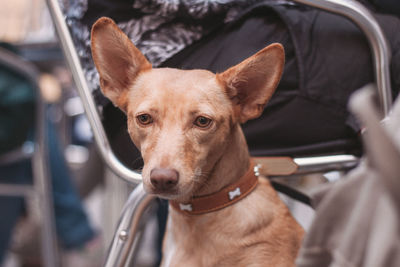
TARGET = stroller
x,y
327,144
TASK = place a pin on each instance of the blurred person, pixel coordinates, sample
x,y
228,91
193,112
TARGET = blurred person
x,y
17,106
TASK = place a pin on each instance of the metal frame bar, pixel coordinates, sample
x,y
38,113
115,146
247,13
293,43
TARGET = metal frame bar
x,y
350,9
125,237
325,163
41,188
21,153
12,190
86,96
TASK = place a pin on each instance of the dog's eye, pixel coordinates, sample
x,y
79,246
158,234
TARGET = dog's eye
x,y
144,119
202,122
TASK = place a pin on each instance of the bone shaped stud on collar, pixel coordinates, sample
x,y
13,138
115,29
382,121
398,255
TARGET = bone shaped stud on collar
x,y
187,207
234,193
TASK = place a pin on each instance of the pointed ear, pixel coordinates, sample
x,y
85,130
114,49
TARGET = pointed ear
x,y
117,60
251,83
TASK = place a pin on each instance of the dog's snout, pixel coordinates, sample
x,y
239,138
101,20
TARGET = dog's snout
x,y
164,179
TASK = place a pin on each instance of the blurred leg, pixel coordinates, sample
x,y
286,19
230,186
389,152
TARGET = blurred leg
x,y
11,207
72,224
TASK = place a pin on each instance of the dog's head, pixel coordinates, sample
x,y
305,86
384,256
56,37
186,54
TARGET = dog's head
x,y
180,120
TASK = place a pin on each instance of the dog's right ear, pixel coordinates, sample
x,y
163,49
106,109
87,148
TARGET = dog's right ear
x,y
251,83
117,60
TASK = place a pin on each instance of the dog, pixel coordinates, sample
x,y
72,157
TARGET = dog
x,y
186,123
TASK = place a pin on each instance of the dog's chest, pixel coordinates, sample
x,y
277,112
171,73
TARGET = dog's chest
x,y
187,244
211,239
194,254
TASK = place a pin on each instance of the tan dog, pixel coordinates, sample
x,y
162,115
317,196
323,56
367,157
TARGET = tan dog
x,y
186,125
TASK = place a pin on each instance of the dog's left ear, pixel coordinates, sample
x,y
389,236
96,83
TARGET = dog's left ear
x,y
251,83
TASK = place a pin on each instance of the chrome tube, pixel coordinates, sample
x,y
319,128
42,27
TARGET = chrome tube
x,y
12,190
43,188
86,96
125,238
363,18
325,164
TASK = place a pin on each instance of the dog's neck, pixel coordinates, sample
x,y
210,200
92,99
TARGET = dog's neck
x,y
232,165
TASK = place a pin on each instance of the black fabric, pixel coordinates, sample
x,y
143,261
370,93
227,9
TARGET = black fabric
x,y
115,125
120,10
291,192
327,58
386,6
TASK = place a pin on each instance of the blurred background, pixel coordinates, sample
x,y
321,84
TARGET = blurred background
x,y
91,201
87,197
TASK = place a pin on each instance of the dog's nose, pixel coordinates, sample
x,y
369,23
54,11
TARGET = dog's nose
x,y
164,179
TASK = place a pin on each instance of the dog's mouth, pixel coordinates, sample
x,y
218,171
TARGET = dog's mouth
x,y
165,194
177,193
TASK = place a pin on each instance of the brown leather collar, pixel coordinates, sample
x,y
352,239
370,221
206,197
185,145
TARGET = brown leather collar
x,y
221,199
